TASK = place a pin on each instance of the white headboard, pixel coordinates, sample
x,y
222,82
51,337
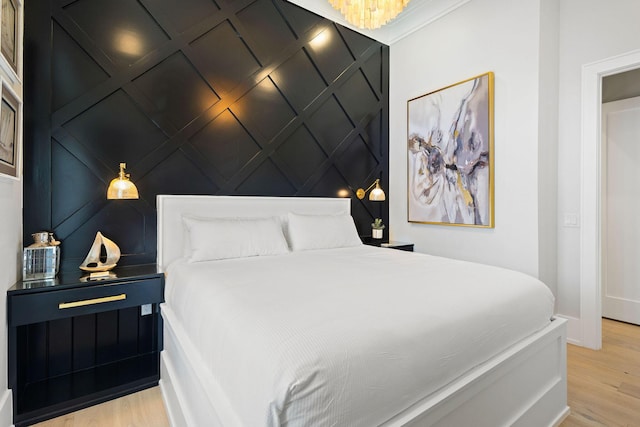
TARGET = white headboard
x,y
172,208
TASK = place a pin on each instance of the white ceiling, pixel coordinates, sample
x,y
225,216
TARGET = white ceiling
x,y
416,15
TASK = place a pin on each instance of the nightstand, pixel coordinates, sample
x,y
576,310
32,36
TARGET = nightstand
x,y
402,246
74,343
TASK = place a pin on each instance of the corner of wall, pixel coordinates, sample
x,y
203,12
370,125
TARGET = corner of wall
x,y
548,63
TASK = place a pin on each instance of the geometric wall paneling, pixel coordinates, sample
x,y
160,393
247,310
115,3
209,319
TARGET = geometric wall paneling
x,y
176,175
267,28
113,126
66,168
299,80
301,154
223,71
108,221
330,124
330,53
357,161
356,42
299,19
373,70
73,72
264,110
374,131
124,30
251,97
266,180
226,144
358,98
176,90
184,13
329,184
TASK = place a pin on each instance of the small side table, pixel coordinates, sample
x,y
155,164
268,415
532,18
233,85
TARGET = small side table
x,y
402,246
74,343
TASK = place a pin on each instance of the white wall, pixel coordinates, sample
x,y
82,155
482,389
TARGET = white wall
x,y
590,30
10,235
548,143
502,36
10,262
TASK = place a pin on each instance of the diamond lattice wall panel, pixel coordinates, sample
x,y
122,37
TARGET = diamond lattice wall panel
x,y
301,154
122,29
299,80
228,97
176,90
73,71
226,144
223,57
184,14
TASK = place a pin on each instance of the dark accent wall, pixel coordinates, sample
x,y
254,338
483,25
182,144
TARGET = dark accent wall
x,y
227,97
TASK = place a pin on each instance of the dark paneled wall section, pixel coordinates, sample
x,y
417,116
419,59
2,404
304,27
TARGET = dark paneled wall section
x,y
235,97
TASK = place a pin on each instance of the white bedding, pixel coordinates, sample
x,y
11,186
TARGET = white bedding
x,y
349,336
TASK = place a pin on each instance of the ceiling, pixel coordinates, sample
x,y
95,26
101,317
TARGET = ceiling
x,y
416,15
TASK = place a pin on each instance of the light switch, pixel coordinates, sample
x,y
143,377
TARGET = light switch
x,y
571,220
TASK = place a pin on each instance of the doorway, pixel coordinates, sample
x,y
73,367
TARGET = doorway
x,y
591,193
620,201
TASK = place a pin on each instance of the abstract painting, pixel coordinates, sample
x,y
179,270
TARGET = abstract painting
x,y
450,155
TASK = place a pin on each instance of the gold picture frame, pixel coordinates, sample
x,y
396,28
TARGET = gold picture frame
x,y
450,149
9,35
10,138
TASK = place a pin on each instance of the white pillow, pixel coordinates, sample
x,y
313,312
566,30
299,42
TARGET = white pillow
x,y
322,232
223,238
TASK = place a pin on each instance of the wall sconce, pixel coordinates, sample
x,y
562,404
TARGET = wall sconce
x,y
121,187
377,194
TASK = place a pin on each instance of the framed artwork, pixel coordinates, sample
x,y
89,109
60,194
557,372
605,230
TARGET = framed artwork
x,y
450,155
9,133
9,33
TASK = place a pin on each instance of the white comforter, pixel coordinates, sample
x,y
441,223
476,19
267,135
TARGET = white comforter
x,y
345,337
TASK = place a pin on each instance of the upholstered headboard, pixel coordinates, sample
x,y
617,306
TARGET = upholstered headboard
x,y
172,208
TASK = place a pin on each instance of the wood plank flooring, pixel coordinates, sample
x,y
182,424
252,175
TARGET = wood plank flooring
x,y
604,389
604,386
142,409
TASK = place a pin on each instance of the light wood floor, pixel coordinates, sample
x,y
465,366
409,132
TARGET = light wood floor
x,y
604,386
604,389
142,409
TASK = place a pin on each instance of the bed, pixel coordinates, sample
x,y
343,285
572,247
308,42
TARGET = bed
x,y
345,335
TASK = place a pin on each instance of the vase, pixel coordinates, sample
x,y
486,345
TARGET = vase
x,y
376,233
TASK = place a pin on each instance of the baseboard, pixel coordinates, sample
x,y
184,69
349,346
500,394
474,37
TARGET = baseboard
x,y
561,417
574,329
6,409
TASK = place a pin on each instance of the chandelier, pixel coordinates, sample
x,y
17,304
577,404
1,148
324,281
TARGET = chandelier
x,y
370,14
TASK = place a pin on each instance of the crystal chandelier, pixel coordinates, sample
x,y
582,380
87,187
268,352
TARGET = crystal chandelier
x,y
370,14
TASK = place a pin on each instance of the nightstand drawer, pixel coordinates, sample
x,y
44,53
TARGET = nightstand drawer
x,y
58,304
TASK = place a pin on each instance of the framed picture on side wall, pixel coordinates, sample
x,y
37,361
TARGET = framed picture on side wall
x,y
9,133
450,155
9,32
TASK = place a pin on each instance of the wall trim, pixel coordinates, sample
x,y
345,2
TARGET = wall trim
x,y
6,408
591,192
574,329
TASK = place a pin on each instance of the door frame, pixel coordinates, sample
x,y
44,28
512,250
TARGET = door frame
x,y
591,192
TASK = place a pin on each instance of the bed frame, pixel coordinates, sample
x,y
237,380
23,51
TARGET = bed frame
x,y
523,386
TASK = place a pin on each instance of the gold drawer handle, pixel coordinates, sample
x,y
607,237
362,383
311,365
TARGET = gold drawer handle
x,y
82,303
